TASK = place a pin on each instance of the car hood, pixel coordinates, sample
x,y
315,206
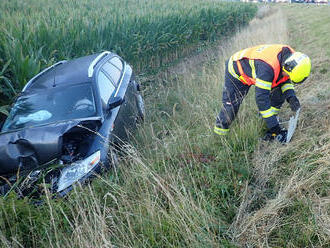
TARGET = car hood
x,y
34,146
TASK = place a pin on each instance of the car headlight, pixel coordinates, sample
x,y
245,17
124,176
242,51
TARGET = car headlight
x,y
74,172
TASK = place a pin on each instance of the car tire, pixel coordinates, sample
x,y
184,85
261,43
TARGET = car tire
x,y
140,108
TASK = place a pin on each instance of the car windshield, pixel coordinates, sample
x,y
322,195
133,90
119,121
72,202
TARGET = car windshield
x,y
57,104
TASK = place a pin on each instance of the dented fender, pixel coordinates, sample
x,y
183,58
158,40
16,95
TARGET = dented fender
x,y
30,147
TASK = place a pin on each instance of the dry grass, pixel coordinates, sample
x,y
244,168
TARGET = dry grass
x,y
291,180
260,212
181,189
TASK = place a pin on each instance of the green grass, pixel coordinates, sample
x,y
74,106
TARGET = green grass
x,y
182,186
147,34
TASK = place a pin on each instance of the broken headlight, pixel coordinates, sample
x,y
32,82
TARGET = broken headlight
x,y
77,170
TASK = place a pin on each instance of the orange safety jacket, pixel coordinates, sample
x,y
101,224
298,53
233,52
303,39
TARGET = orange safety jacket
x,y
265,53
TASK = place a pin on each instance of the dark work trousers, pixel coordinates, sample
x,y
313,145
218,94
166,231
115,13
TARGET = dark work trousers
x,y
233,94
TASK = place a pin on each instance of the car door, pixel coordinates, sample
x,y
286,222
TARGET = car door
x,y
115,69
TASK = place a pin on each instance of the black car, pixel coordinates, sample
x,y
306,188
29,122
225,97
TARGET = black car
x,y
73,115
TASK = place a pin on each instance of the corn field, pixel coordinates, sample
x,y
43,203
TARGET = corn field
x,y
147,34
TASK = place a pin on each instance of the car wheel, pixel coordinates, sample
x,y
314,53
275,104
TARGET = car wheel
x,y
140,108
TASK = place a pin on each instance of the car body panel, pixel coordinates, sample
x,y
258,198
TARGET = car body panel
x,y
30,147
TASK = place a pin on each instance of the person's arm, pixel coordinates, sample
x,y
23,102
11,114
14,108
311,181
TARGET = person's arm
x,y
289,94
264,77
287,89
265,108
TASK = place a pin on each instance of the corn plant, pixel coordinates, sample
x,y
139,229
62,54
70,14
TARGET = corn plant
x,y
148,34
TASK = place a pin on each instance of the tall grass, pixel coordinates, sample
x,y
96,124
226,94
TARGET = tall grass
x,y
147,34
286,204
180,186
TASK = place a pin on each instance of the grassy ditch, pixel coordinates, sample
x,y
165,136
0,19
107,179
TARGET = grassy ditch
x,y
290,184
180,186
148,34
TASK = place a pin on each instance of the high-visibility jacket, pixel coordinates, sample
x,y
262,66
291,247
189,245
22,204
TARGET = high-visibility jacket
x,y
261,66
266,53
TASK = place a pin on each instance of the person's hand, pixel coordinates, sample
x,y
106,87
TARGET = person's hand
x,y
282,136
294,103
276,133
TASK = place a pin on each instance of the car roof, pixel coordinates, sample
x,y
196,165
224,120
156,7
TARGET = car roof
x,y
63,73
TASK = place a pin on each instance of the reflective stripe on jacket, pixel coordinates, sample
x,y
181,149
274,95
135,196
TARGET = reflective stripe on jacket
x,y
266,53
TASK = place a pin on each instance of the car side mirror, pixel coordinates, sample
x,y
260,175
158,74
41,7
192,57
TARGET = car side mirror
x,y
115,102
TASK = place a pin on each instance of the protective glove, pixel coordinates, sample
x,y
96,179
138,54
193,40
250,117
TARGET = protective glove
x,y
294,103
276,133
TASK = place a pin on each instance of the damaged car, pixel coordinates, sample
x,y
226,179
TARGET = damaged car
x,y
68,122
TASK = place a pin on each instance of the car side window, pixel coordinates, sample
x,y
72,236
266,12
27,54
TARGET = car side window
x,y
106,88
113,68
117,62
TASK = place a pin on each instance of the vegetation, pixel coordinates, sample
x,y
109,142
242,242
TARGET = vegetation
x,y
35,34
180,186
